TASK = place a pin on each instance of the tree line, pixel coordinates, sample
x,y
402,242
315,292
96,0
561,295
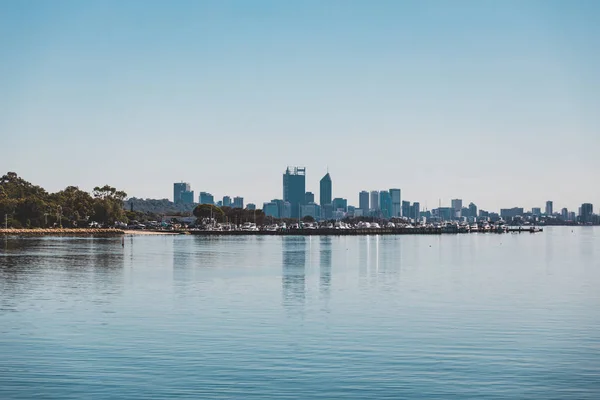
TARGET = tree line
x,y
24,205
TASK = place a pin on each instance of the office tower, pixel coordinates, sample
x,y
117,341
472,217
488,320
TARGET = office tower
x,y
187,197
226,201
572,216
206,198
327,211
406,209
510,213
309,197
310,210
238,202
220,203
457,207
416,207
271,209
396,203
340,204
536,211
179,188
374,200
587,210
385,203
363,202
251,206
548,208
294,188
325,190
473,210
564,213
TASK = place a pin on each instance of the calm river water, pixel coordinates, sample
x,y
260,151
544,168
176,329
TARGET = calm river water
x,y
514,316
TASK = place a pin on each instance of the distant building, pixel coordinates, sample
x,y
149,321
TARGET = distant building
x,y
271,209
536,211
457,207
587,211
238,202
206,198
251,206
178,188
312,210
325,190
187,197
374,200
226,201
294,188
472,210
511,213
220,203
385,203
363,202
284,208
340,204
564,214
309,197
549,208
351,212
572,216
396,203
444,213
416,211
327,211
406,209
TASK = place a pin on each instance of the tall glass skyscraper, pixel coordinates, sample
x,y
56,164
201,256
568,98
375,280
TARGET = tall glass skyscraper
x,y
374,200
325,192
385,203
396,201
178,189
363,202
294,188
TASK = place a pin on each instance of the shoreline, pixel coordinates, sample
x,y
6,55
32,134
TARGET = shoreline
x,y
62,232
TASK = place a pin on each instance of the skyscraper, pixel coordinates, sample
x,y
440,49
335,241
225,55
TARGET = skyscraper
x,y
406,209
340,204
396,202
309,197
416,208
206,198
549,207
363,202
374,200
226,201
473,210
187,197
294,188
325,190
385,203
238,202
564,213
587,210
457,207
178,188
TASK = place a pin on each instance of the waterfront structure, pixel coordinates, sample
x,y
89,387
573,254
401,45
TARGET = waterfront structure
x,y
226,201
178,189
385,203
457,207
396,202
374,200
340,204
363,202
238,202
187,197
206,198
309,197
251,206
537,211
325,190
406,209
549,208
587,211
294,188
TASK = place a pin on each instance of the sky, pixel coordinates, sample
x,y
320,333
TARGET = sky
x,y
493,102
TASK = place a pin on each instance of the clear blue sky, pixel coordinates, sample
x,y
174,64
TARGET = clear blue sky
x,y
496,102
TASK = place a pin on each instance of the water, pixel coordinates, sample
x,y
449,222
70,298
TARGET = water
x,y
455,316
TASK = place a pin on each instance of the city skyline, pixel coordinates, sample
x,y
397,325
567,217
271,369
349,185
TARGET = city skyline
x,y
494,103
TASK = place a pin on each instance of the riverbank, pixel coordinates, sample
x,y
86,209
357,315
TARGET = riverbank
x,y
62,232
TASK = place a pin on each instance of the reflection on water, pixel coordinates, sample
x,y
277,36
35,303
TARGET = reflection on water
x,y
293,276
446,317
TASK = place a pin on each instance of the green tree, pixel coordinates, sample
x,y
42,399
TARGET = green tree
x,y
204,211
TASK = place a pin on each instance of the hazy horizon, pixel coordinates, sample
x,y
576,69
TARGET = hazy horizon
x,y
493,103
